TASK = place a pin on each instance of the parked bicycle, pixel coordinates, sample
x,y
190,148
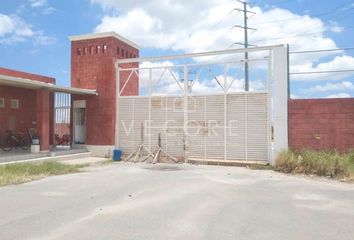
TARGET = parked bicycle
x,y
64,140
14,140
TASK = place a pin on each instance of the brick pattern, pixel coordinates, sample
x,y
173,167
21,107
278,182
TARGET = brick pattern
x,y
31,76
19,119
93,69
321,124
43,105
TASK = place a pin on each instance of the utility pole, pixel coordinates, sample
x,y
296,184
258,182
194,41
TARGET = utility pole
x,y
245,44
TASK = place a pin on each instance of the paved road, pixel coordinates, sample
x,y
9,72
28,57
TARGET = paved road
x,y
127,201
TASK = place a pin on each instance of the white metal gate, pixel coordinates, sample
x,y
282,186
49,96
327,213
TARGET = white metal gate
x,y
224,125
219,127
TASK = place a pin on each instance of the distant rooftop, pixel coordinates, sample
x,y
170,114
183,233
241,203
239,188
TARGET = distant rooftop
x,y
101,35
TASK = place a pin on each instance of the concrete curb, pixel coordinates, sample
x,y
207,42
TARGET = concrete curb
x,y
54,158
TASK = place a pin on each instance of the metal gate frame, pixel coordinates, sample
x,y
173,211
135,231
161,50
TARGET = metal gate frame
x,y
277,90
62,117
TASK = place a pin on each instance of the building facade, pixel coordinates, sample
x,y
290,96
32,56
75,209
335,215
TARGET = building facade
x,y
93,59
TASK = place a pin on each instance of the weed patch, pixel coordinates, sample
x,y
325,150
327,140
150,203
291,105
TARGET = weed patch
x,y
17,173
321,163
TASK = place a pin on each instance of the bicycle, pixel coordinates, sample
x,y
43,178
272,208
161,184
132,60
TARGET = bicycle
x,y
64,140
14,140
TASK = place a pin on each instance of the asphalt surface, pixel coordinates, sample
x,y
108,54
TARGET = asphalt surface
x,y
141,201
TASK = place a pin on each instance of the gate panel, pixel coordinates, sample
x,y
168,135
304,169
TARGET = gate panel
x,y
219,127
215,118
174,126
236,110
198,128
257,126
126,115
198,106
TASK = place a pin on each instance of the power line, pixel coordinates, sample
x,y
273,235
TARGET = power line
x,y
323,50
296,35
329,12
319,72
335,16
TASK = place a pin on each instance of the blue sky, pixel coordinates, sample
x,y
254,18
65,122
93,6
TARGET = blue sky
x,y
34,33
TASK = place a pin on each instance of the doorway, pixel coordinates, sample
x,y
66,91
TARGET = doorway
x,y
80,122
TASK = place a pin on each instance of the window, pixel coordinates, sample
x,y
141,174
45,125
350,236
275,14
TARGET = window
x,y
91,50
2,103
98,49
130,55
15,103
85,50
118,50
104,48
126,54
78,51
122,52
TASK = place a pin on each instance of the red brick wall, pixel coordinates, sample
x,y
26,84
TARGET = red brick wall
x,y
43,127
95,70
31,76
51,118
17,119
22,119
321,124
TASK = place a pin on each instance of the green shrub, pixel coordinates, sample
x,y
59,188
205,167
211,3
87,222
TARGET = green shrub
x,y
321,163
286,162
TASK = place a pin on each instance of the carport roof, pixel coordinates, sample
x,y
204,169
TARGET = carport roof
x,y
31,84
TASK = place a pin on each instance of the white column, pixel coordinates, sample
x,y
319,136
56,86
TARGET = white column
x,y
280,99
117,105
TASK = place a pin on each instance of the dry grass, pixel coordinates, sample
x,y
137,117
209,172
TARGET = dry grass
x,y
24,172
322,163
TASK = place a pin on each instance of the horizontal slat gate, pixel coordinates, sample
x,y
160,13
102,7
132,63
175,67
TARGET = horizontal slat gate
x,y
221,127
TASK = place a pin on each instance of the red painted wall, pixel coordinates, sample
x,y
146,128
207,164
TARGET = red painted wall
x,y
92,69
321,124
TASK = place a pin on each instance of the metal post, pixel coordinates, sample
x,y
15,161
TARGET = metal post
x,y
225,110
246,46
150,93
269,109
185,103
117,105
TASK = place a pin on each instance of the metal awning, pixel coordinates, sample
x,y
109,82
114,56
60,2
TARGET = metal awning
x,y
6,80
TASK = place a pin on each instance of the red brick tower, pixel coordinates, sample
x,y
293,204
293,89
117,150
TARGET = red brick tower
x,y
93,67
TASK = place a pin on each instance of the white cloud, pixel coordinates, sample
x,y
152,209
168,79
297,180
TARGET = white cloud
x,y
190,27
41,39
339,95
49,10
42,5
38,3
13,29
343,86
